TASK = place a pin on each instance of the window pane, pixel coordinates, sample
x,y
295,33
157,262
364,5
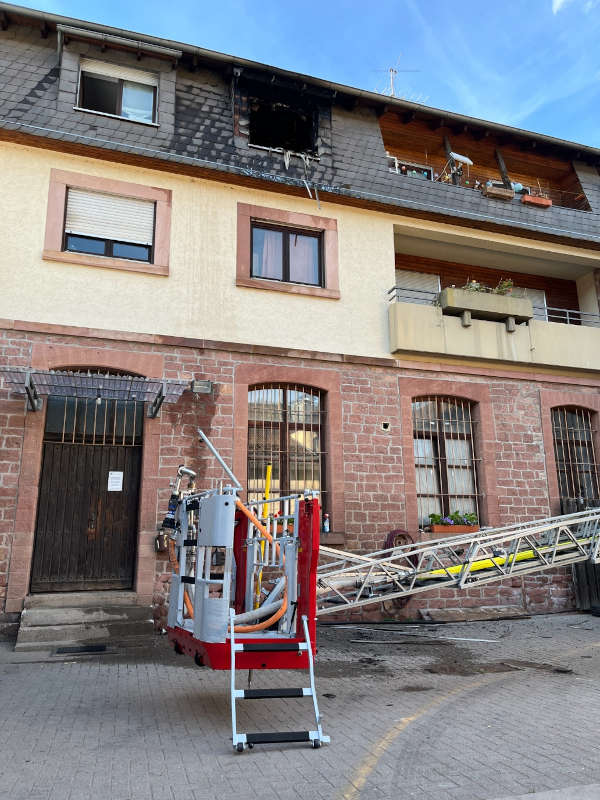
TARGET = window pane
x,y
575,458
99,94
267,254
137,252
444,457
137,101
83,244
304,259
285,429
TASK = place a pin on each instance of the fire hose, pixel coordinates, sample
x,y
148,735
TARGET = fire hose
x,y
259,626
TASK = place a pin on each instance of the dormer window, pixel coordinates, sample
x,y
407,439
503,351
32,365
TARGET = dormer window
x,y
281,126
117,91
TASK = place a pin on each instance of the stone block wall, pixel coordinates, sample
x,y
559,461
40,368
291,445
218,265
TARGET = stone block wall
x,y
372,460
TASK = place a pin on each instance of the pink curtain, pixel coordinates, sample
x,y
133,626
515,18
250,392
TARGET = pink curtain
x,y
304,261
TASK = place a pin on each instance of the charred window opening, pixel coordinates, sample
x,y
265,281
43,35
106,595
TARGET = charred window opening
x,y
280,125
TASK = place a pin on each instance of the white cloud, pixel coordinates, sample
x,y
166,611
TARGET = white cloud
x,y
557,5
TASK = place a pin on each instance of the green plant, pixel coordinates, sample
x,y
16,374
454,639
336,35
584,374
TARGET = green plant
x,y
504,286
455,518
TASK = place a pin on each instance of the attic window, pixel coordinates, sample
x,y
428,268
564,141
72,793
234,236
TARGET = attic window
x,y
117,91
278,125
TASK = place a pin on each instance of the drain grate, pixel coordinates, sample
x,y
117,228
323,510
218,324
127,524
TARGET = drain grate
x,y
83,648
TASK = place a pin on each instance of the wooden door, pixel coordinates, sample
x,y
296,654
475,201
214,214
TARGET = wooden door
x,y
86,528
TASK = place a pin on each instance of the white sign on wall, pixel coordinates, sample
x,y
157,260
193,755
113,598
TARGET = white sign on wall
x,y
115,482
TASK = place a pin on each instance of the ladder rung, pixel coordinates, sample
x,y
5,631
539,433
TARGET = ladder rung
x,y
278,736
259,694
269,647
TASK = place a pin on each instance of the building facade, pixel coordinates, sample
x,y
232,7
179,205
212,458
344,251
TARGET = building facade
x,y
193,240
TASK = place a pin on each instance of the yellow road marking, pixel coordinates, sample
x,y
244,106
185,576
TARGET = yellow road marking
x,y
368,764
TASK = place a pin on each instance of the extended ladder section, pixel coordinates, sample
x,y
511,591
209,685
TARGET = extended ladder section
x,y
347,580
242,740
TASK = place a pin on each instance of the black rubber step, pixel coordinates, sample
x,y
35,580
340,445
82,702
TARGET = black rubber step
x,y
268,647
258,694
278,736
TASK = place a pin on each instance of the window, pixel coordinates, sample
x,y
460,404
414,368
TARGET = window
x,y
409,169
285,251
282,126
286,429
573,435
118,91
416,287
445,461
103,222
109,225
286,254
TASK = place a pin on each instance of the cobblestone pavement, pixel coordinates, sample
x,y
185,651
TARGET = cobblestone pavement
x,y
476,720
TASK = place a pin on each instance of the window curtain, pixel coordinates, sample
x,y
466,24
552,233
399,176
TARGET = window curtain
x,y
304,259
267,256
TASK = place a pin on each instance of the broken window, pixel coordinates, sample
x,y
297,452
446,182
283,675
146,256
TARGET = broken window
x,y
282,126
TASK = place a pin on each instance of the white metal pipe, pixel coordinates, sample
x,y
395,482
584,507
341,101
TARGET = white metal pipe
x,y
264,611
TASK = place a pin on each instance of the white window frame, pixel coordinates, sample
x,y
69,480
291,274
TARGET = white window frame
x,y
105,69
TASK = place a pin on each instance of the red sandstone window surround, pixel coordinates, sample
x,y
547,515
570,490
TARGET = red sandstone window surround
x,y
320,229
55,248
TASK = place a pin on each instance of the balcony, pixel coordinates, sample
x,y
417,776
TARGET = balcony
x,y
555,337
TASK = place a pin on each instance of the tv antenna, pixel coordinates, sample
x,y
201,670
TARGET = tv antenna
x,y
392,72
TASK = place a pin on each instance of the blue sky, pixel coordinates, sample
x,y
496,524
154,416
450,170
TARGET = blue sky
x,y
533,64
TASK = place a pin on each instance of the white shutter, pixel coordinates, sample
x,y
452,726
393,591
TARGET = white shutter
x,y
110,216
117,71
416,287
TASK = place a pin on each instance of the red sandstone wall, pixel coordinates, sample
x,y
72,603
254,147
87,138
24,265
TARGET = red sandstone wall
x,y
370,469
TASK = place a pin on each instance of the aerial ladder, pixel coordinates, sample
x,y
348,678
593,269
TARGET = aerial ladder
x,y
250,579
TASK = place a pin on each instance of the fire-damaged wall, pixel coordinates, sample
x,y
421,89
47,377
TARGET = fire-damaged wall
x,y
369,453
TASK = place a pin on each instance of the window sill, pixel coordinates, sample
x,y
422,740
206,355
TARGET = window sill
x,y
117,116
86,260
279,150
290,288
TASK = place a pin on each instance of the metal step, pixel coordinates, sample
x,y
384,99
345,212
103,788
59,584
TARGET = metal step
x,y
259,694
279,736
269,647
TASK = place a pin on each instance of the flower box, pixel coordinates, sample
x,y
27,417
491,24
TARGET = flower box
x,y
533,200
452,529
498,192
485,305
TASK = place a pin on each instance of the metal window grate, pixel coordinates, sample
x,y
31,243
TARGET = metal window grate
x,y
445,460
573,435
286,429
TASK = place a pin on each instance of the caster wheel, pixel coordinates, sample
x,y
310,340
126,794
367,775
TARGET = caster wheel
x,y
316,743
239,747
198,660
178,648
250,746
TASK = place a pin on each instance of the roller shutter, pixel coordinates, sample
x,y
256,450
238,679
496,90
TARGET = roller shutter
x,y
117,71
109,216
416,287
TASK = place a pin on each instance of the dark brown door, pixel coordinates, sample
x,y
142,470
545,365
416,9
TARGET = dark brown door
x,y
88,501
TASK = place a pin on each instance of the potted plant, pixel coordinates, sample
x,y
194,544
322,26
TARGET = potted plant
x,y
457,522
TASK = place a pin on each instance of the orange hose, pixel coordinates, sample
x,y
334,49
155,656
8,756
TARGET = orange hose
x,y
259,626
175,566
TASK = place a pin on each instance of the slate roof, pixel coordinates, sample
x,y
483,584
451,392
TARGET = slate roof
x,y
197,127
